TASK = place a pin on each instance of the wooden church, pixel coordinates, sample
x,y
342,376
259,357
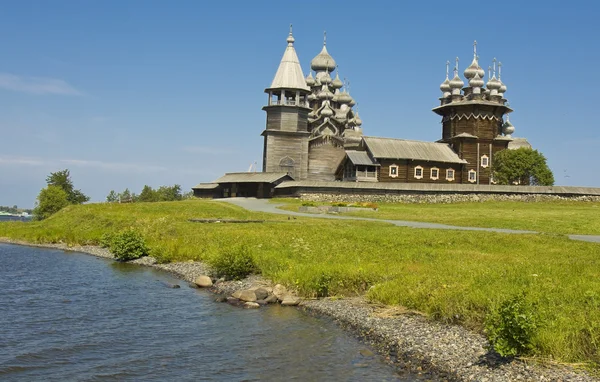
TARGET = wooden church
x,y
312,133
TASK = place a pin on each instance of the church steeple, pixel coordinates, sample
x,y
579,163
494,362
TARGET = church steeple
x,y
289,74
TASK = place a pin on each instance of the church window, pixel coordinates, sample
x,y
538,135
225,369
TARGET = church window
x,y
435,173
472,176
485,161
286,165
394,171
418,172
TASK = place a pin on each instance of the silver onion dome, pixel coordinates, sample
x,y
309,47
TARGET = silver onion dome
x,y
344,97
456,82
323,61
325,93
337,83
310,81
445,86
508,129
476,81
493,83
326,111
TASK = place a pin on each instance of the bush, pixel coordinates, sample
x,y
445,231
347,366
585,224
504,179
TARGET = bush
x,y
50,200
512,327
309,204
234,264
128,245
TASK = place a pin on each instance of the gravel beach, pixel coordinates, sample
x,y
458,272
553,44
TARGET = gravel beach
x,y
415,344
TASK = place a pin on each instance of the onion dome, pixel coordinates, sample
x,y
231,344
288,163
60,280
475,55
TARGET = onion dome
x,y
310,81
456,82
336,95
326,111
493,83
325,79
357,120
325,93
352,102
323,61
337,83
344,97
502,87
473,69
508,129
476,81
445,86
311,97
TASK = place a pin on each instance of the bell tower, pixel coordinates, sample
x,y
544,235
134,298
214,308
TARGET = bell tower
x,y
286,134
473,118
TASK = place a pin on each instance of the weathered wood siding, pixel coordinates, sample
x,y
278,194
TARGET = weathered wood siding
x,y
286,118
406,171
279,147
324,160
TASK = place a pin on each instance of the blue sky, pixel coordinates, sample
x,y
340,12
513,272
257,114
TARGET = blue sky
x,y
126,93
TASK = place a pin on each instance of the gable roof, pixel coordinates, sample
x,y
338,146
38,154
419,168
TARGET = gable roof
x,y
360,158
253,177
392,148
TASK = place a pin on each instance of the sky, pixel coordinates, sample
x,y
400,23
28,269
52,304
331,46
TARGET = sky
x,y
129,92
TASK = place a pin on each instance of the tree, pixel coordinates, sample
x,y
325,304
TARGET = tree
x,y
148,195
112,197
168,194
50,200
522,166
125,196
63,180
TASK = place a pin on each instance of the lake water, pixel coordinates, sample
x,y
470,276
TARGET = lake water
x,y
72,317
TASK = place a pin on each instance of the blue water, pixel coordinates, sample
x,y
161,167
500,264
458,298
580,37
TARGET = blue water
x,y
72,317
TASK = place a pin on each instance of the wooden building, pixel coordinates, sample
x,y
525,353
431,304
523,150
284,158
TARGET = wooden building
x,y
313,133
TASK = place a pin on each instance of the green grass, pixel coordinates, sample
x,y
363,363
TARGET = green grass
x,y
557,217
452,276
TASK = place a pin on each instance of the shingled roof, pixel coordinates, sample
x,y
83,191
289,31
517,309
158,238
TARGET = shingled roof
x,y
253,177
391,148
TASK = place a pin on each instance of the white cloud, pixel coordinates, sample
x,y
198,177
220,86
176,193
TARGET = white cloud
x,y
21,161
37,85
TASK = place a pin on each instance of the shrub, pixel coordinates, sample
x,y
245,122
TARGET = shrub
x,y
235,263
309,204
105,240
128,245
512,327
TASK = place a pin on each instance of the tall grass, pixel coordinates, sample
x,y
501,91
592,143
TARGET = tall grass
x,y
453,276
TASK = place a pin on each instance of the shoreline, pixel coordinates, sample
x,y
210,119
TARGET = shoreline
x,y
408,340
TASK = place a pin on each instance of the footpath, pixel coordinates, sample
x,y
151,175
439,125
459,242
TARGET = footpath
x,y
263,205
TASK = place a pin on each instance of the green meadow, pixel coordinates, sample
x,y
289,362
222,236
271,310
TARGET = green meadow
x,y
451,276
555,217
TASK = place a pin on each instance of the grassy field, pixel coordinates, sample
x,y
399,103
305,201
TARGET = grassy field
x,y
557,217
452,276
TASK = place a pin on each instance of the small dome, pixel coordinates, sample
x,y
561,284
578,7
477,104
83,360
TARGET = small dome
x,y
476,81
473,69
326,111
337,83
502,87
311,97
325,79
456,82
352,102
344,97
310,81
445,86
325,93
493,83
357,120
323,61
508,128
336,95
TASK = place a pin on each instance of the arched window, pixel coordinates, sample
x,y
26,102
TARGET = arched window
x,y
286,164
